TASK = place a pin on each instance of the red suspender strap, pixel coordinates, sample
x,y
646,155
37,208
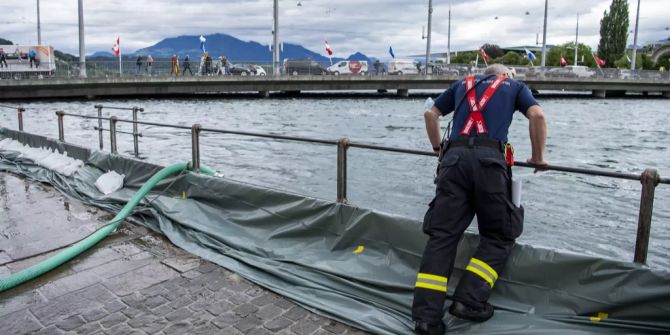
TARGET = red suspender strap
x,y
476,107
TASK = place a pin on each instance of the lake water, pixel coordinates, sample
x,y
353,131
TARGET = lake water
x,y
567,212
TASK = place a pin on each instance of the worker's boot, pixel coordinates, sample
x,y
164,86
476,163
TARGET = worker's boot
x,y
471,313
425,328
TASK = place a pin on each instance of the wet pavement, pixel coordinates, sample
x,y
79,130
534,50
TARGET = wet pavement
x,y
133,282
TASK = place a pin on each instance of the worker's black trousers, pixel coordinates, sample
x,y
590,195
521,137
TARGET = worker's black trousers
x,y
471,180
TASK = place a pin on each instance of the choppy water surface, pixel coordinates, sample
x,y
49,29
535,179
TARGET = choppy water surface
x,y
575,213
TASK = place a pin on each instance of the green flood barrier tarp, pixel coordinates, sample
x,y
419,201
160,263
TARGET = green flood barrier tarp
x,y
356,265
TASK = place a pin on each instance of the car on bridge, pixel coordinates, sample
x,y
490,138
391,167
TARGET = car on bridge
x,y
571,71
349,67
294,67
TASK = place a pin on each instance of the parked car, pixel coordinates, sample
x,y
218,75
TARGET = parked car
x,y
294,67
571,71
258,70
400,67
349,67
240,69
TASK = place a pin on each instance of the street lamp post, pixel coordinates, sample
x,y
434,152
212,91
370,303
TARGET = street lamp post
x,y
430,16
275,40
449,36
82,48
544,35
637,22
576,39
39,31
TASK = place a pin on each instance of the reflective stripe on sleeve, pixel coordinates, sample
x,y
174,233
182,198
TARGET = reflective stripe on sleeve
x,y
483,270
431,282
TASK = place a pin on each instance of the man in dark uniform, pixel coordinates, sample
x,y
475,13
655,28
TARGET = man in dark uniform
x,y
474,178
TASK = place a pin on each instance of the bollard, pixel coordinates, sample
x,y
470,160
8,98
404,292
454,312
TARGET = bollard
x,y
112,133
20,115
136,146
195,147
342,146
61,130
649,180
99,108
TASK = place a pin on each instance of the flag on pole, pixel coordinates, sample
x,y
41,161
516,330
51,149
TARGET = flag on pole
x,y
391,52
563,61
116,48
599,61
202,43
484,55
531,56
328,49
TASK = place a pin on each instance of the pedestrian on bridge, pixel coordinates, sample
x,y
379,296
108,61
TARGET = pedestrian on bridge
x,y
32,56
138,62
150,64
474,178
186,66
3,58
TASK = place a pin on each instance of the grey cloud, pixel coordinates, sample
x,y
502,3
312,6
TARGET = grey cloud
x,y
349,25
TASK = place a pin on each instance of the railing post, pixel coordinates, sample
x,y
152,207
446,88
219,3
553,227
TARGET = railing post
x,y
61,130
20,111
649,180
342,146
112,133
99,108
195,147
136,134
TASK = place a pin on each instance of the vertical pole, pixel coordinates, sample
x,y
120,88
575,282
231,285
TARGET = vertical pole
x,y
61,130
449,36
99,108
637,22
342,146
275,39
195,147
430,17
20,115
39,30
112,134
576,39
82,48
544,35
649,180
136,134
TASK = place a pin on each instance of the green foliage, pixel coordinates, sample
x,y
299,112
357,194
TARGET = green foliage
x,y
614,32
567,50
464,57
664,61
511,58
643,62
493,50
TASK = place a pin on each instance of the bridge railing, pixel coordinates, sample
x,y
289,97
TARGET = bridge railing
x,y
649,178
109,68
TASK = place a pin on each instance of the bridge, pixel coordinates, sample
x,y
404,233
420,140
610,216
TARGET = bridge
x,y
185,86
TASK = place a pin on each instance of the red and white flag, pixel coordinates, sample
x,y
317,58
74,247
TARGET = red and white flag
x,y
116,48
599,61
563,61
328,49
484,55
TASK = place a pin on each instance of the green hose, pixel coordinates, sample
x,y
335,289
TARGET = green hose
x,y
83,245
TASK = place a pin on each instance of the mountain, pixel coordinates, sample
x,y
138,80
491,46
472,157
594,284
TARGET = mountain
x,y
233,48
102,54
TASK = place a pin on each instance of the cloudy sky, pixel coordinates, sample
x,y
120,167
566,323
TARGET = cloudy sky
x,y
369,26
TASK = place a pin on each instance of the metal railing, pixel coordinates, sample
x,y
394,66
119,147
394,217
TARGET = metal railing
x,y
136,134
163,68
649,178
19,112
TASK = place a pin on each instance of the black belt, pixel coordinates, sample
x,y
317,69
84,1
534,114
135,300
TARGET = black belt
x,y
476,142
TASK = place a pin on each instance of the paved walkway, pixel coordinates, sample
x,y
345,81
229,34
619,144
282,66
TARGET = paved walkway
x,y
134,282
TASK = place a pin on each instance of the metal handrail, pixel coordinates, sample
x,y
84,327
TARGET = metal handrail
x,y
136,134
649,178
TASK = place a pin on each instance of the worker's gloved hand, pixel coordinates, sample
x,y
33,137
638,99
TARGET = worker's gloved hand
x,y
428,105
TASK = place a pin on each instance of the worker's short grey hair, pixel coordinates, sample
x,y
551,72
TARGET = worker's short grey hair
x,y
497,69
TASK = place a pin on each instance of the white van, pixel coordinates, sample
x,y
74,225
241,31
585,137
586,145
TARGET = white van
x,y
348,67
400,66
